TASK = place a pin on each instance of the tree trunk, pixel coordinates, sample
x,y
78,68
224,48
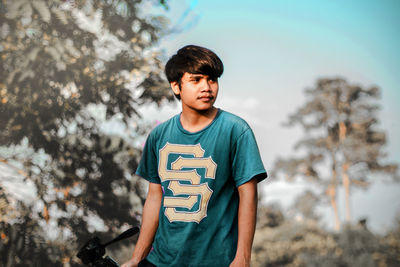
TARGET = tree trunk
x,y
332,195
345,174
346,185
331,192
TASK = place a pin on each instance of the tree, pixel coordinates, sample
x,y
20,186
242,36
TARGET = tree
x,y
390,251
305,206
299,242
340,123
66,66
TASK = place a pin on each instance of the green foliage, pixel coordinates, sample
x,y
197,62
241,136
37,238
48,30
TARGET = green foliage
x,y
305,243
270,216
66,67
288,243
306,204
390,253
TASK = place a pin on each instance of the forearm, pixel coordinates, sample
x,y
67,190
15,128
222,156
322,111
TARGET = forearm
x,y
247,214
149,224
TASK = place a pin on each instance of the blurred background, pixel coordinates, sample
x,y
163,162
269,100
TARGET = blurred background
x,y
82,84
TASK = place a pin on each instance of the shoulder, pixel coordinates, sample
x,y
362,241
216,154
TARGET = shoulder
x,y
233,122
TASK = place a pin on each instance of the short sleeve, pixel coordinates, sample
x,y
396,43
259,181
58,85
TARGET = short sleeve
x,y
148,167
247,163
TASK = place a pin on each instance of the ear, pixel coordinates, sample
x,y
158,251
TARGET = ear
x,y
175,88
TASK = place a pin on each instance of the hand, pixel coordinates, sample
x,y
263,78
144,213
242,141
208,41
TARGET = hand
x,y
239,262
130,263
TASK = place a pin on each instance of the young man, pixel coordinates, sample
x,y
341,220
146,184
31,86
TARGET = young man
x,y
203,166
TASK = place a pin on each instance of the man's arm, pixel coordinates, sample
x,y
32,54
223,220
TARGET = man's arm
x,y
149,225
246,221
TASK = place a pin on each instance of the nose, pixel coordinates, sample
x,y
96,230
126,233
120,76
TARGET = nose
x,y
206,87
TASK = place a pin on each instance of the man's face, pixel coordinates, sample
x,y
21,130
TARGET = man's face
x,y
198,91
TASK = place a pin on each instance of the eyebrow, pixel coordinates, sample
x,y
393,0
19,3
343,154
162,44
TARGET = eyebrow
x,y
197,75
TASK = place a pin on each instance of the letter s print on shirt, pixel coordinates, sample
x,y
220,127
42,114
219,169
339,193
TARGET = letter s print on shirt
x,y
192,193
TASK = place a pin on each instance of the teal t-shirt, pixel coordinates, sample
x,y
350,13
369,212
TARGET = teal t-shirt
x,y
199,174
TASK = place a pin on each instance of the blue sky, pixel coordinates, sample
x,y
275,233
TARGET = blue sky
x,y
273,50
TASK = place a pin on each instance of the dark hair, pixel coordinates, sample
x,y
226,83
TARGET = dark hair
x,y
193,59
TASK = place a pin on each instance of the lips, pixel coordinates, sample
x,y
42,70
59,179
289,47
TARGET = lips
x,y
206,97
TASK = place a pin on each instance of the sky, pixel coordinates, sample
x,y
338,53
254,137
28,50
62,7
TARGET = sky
x,y
273,50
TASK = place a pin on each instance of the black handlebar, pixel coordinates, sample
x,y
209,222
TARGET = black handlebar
x,y
93,251
128,233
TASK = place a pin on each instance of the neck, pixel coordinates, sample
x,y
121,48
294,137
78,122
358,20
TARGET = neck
x,y
194,121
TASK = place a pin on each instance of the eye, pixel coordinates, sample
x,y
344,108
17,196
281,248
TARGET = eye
x,y
196,79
